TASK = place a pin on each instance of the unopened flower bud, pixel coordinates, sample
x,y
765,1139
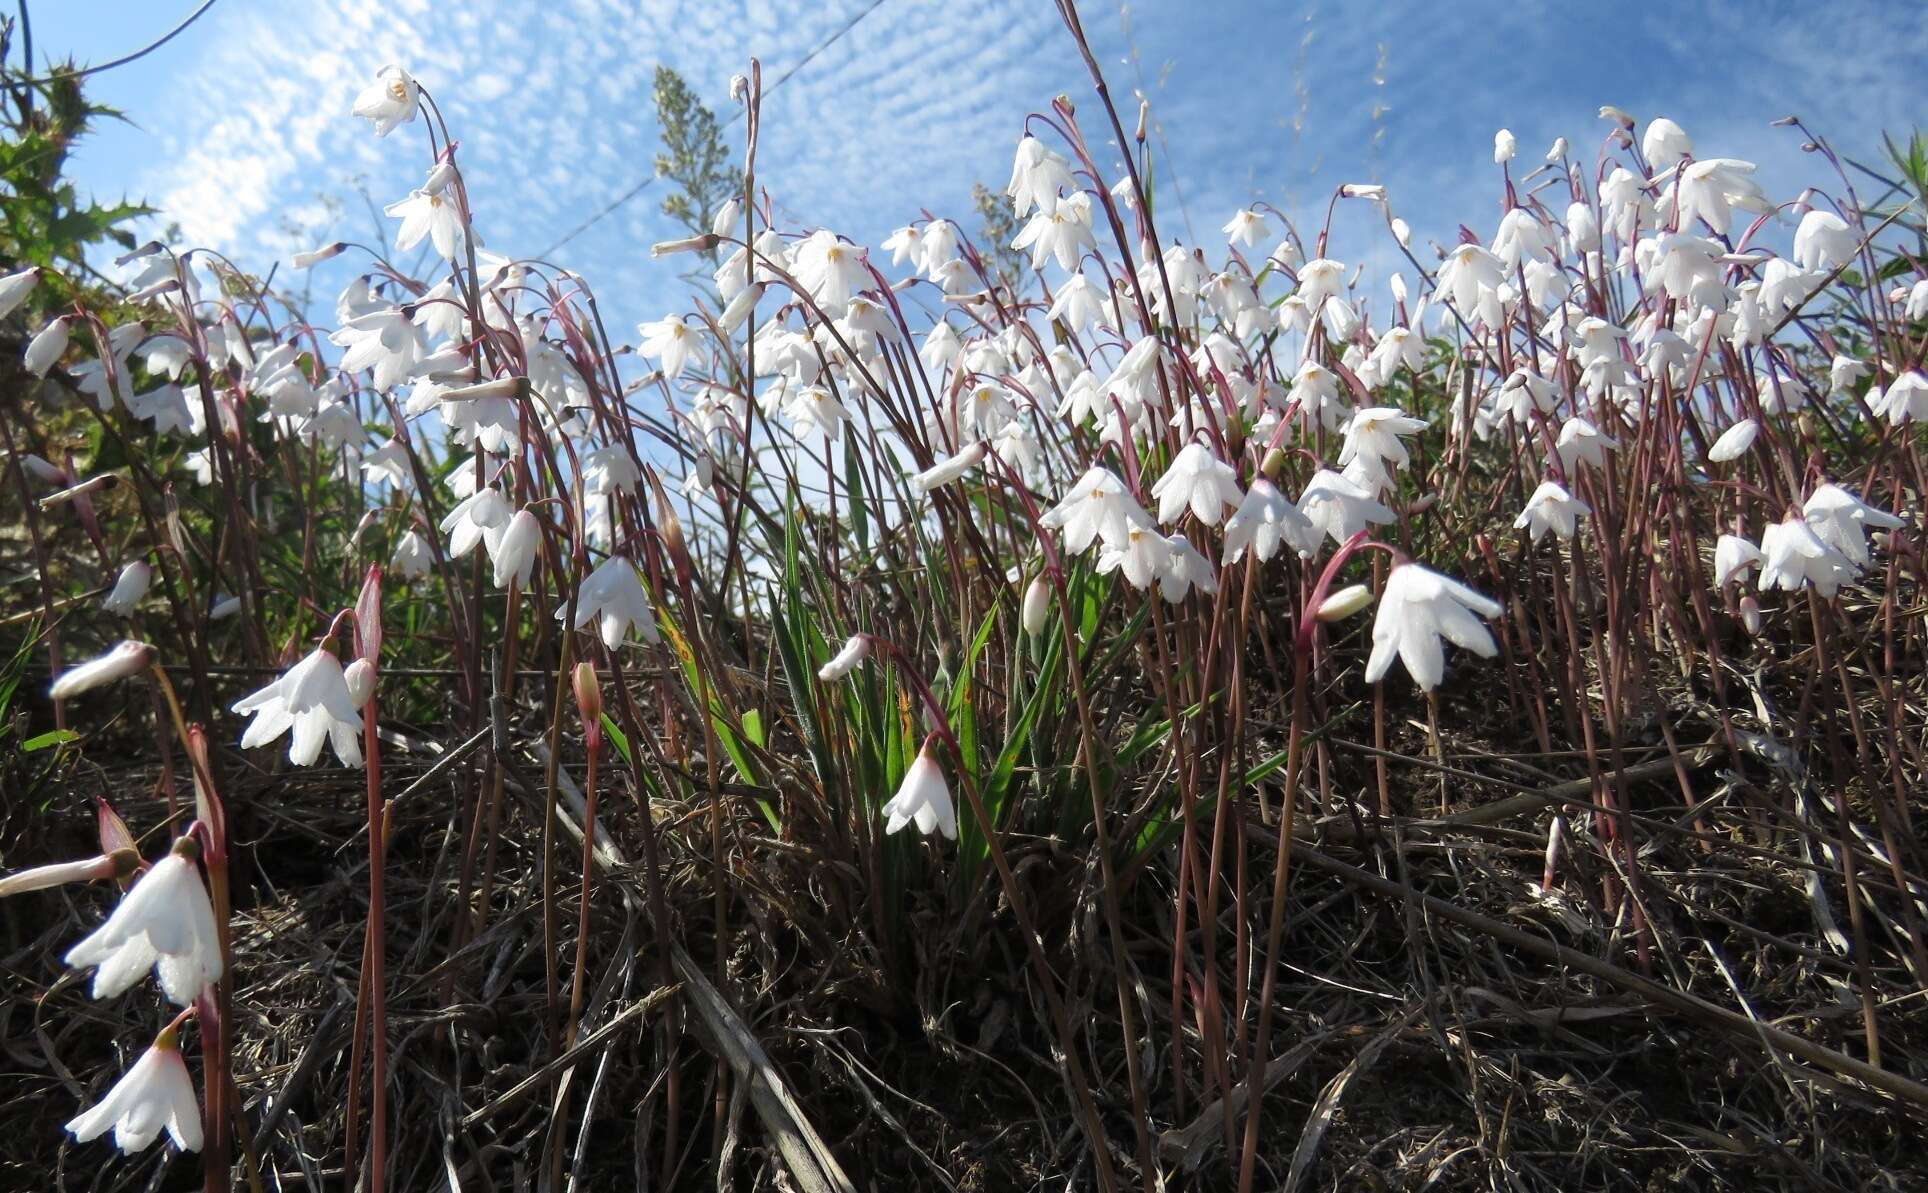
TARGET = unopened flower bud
x,y
1344,603
1751,616
1402,232
129,658
439,178
46,346
845,661
1505,145
739,88
1037,605
315,257
689,244
1363,190
39,878
92,484
588,690
1273,464
360,678
501,387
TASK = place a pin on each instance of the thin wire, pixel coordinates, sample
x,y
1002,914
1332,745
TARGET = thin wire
x,y
650,179
143,52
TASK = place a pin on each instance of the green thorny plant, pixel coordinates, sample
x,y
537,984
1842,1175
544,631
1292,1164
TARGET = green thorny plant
x,y
1136,741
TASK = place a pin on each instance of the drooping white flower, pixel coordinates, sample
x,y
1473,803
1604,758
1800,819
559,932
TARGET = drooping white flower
x,y
1734,441
129,588
1096,508
1373,439
1246,227
1733,556
312,699
1038,173
165,922
1581,442
905,244
1795,556
15,287
514,553
1140,552
388,463
1339,506
814,410
845,660
479,517
923,799
129,658
1060,231
1265,518
1841,521
391,100
670,341
615,598
385,341
1419,607
1824,241
156,1093
1664,143
1905,400
1198,480
427,214
1710,189
46,347
830,269
1471,279
412,556
1184,570
1552,508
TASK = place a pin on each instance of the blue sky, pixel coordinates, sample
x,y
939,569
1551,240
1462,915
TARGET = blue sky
x,y
242,121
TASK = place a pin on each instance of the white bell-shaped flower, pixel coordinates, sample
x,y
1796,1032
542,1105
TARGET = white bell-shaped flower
x,y
156,1094
163,922
614,597
312,699
923,799
1198,480
1418,608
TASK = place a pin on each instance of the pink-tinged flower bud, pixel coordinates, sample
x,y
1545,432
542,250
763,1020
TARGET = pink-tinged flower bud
x,y
1555,835
1344,603
43,470
1037,605
588,689
1751,616
360,678
314,257
845,661
129,658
